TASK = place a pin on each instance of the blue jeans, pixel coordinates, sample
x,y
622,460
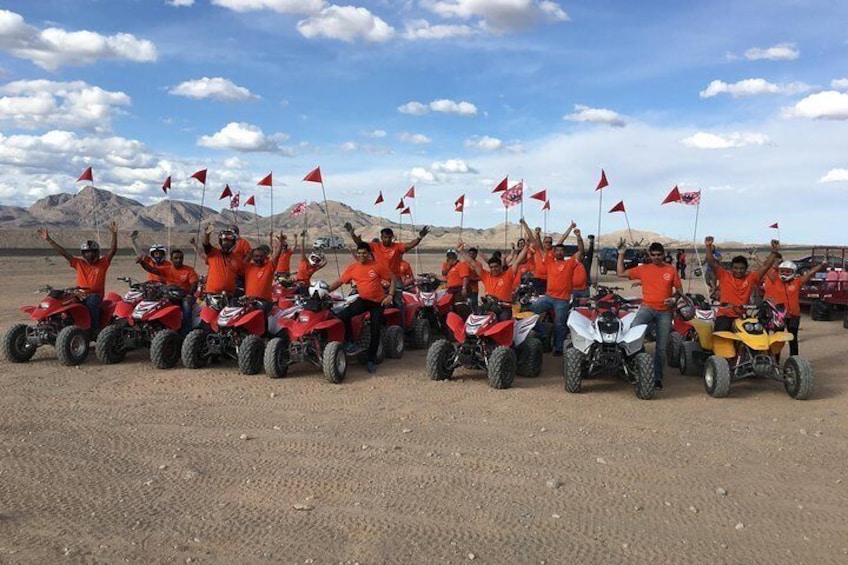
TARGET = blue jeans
x,y
188,314
662,320
560,307
92,302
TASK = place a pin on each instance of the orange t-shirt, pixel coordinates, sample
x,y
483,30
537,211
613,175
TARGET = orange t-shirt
x,y
162,267
284,262
500,287
223,270
736,292
455,273
525,267
473,279
786,293
405,269
369,279
390,256
580,280
541,270
560,277
658,283
242,248
91,275
258,280
185,277
305,271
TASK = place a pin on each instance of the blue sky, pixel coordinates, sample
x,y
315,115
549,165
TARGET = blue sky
x,y
745,101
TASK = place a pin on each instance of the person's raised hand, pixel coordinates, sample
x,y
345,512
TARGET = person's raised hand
x,y
42,233
709,241
573,224
424,231
348,227
113,226
576,232
775,246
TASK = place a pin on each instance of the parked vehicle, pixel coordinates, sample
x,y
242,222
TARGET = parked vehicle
x,y
604,339
608,259
828,290
328,242
689,343
426,307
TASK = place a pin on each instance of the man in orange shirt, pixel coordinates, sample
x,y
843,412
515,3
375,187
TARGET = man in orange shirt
x,y
660,284
284,262
243,248
259,273
736,285
455,272
224,263
782,288
177,274
560,282
407,277
369,277
309,266
91,270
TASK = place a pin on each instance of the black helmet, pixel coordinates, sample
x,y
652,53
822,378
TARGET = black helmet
x,y
89,245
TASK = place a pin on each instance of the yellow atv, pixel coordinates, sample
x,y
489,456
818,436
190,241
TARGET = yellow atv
x,y
753,349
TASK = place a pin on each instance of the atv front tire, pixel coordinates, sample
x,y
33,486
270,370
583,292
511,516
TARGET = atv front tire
x,y
440,359
530,357
686,359
334,362
643,367
393,342
109,347
250,355
165,349
72,346
420,337
798,378
15,346
502,365
573,361
194,352
276,359
717,376
672,354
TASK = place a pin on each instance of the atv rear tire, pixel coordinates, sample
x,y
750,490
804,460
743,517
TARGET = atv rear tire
x,y
820,311
502,365
420,338
530,357
15,346
194,351
364,339
276,359
643,367
717,376
334,362
393,342
845,320
165,349
573,361
440,358
109,346
672,353
250,355
687,361
72,346
798,378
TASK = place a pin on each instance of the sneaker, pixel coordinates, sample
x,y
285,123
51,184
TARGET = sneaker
x,y
349,347
557,353
371,367
658,385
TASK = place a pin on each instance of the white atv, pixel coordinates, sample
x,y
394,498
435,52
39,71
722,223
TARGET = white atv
x,y
603,338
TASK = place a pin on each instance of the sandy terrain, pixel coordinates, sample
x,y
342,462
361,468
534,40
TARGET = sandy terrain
x,y
109,464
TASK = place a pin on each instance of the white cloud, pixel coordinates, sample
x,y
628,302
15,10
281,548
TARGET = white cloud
x,y
835,175
780,52
240,136
440,172
484,143
346,23
752,87
444,106
234,163
376,134
704,140
279,6
422,29
828,105
180,3
500,15
52,48
33,104
452,166
596,116
415,138
350,146
839,83
420,175
217,88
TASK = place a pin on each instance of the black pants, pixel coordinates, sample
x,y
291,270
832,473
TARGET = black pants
x,y
360,306
792,325
540,286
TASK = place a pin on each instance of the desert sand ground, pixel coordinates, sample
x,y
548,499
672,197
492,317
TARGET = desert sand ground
x,y
109,464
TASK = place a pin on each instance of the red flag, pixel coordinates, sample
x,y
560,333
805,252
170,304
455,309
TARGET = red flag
x,y
513,196
380,198
410,193
314,176
459,205
201,176
400,205
250,202
603,182
774,226
227,192
86,175
406,211
541,195
618,208
502,185
234,201
299,209
673,196
690,198
547,205
267,181
166,185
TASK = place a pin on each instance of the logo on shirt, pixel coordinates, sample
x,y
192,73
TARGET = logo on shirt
x,y
667,277
372,273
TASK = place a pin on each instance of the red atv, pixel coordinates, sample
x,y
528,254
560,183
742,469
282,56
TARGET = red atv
x,y
691,326
61,320
231,327
425,310
502,349
149,316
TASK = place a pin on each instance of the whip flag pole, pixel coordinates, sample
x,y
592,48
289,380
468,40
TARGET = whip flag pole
x,y
315,176
411,194
599,189
200,176
459,206
502,187
166,186
89,176
269,182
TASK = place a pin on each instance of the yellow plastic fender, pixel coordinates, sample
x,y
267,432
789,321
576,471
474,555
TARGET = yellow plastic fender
x,y
518,315
723,344
777,340
704,329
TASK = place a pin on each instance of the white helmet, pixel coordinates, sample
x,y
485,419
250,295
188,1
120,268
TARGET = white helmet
x,y
319,289
787,266
315,259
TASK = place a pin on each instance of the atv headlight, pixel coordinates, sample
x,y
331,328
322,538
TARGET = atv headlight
x,y
753,327
608,338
